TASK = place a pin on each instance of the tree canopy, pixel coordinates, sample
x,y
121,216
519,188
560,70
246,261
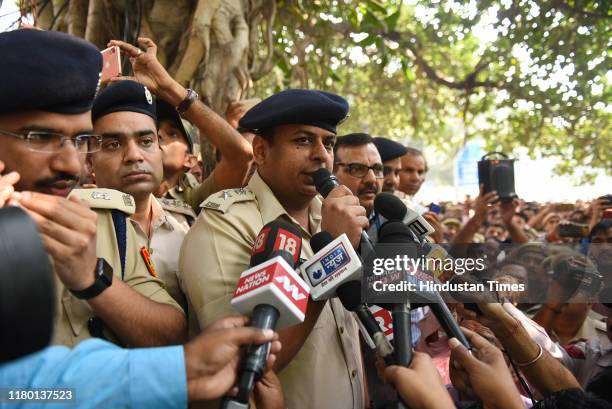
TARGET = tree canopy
x,y
524,73
515,73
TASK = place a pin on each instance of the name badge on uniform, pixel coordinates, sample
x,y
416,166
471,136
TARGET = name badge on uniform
x,y
148,261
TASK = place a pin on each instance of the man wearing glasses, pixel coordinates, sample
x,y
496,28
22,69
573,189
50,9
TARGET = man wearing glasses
x,y
49,83
358,166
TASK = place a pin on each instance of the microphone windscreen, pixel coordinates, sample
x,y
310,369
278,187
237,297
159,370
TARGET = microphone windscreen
x,y
324,181
320,240
350,295
395,232
390,206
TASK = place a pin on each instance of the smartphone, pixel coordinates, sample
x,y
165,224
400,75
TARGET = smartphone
x,y
111,63
573,230
565,207
435,208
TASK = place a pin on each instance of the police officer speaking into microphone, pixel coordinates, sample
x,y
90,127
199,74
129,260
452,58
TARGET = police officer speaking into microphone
x,y
320,363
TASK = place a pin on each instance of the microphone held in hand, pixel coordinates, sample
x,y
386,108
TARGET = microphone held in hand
x,y
325,182
272,293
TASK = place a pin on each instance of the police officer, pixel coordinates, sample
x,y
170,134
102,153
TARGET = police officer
x,y
320,364
178,153
391,153
130,160
236,152
49,83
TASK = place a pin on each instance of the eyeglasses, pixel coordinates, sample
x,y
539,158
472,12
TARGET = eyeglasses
x,y
359,170
387,170
42,141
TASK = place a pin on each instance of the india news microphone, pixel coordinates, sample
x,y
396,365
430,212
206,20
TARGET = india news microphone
x,y
272,294
335,270
325,182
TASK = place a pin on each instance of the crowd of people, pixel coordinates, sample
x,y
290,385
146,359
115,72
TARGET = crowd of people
x,y
148,240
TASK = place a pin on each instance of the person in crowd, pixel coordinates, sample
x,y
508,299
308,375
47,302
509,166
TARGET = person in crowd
x,y
130,160
358,166
232,170
496,231
295,136
414,170
176,143
451,228
565,315
391,153
45,133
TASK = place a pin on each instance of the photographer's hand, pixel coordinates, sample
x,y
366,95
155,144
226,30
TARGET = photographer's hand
x,y
420,386
484,371
7,184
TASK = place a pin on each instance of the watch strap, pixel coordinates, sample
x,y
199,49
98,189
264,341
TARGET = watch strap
x,y
104,279
186,103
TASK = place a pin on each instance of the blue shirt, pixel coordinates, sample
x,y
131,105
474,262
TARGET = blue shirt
x,y
102,375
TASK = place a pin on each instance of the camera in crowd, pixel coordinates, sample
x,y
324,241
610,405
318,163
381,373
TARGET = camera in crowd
x,y
497,174
27,295
576,274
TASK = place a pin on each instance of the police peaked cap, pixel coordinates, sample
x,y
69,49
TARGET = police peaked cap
x,y
297,106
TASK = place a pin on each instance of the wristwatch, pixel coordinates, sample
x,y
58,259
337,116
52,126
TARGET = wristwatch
x,y
104,279
186,103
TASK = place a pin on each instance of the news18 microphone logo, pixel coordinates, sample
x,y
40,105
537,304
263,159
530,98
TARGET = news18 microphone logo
x,y
333,261
285,240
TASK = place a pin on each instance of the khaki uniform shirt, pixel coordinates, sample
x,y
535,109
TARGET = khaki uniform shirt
x,y
590,330
71,314
327,371
586,359
189,191
168,229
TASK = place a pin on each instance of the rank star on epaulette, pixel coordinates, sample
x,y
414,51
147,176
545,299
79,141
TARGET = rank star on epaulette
x,y
224,195
100,195
240,191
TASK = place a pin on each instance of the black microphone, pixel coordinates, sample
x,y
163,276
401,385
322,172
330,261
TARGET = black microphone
x,y
394,232
325,182
392,208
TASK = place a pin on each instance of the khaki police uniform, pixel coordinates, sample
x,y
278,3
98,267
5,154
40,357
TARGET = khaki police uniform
x,y
591,329
160,250
586,359
327,371
72,316
189,191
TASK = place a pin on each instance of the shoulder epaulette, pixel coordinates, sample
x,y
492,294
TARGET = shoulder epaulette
x,y
223,200
177,206
106,199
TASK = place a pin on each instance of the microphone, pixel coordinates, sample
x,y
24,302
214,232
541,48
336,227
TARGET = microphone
x,y
325,182
335,271
393,208
334,264
272,293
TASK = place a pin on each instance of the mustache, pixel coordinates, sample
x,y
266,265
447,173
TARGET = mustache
x,y
369,188
62,177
